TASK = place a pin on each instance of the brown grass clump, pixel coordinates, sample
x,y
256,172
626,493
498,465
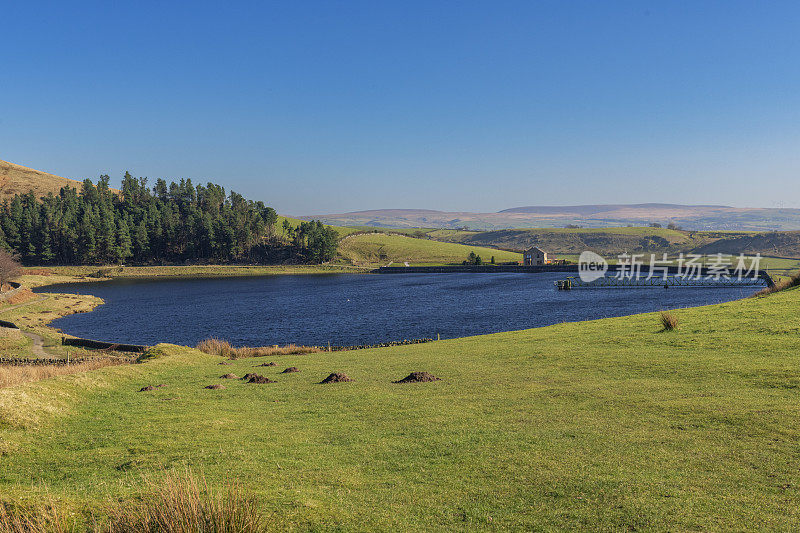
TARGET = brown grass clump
x,y
223,348
793,281
40,519
11,375
22,296
215,347
175,504
668,320
186,503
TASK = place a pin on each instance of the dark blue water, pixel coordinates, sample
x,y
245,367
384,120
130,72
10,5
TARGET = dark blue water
x,y
349,309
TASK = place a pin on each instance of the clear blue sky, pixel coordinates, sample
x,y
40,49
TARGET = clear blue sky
x,y
320,107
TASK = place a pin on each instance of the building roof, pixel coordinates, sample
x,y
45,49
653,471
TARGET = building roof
x,y
535,249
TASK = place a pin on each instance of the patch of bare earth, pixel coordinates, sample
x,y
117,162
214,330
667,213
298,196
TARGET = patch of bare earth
x,y
255,378
336,377
418,377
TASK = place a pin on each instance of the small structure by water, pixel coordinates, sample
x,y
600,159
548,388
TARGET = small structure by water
x,y
534,256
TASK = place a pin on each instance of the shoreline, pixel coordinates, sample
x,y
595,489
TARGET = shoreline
x,y
35,277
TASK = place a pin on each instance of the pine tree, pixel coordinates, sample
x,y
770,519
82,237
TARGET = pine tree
x,y
123,247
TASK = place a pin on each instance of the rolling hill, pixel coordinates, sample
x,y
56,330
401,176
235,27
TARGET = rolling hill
x,y
614,241
16,179
693,217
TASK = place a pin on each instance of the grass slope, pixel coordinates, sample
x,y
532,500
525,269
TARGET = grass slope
x,y
613,241
381,248
608,241
16,179
609,424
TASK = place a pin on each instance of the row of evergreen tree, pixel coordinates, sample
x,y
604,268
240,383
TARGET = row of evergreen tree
x,y
166,224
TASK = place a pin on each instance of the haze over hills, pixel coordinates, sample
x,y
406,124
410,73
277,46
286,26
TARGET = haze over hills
x,y
691,217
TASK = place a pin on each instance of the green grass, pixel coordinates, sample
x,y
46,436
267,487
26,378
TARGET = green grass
x,y
602,425
380,248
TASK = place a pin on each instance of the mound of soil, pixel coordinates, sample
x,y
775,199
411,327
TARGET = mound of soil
x,y
229,376
215,386
248,376
271,363
225,363
418,377
259,379
336,377
290,370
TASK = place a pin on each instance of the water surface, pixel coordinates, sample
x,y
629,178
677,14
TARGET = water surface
x,y
350,309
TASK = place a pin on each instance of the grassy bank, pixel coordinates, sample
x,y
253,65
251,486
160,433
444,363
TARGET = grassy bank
x,y
380,249
610,424
38,276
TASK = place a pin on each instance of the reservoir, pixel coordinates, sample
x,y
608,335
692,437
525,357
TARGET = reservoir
x,y
353,309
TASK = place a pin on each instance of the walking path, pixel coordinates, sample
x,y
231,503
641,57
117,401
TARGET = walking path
x,y
37,346
37,341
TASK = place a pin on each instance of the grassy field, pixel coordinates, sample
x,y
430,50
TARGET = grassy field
x,y
602,425
380,248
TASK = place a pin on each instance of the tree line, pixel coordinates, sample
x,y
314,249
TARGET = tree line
x,y
175,222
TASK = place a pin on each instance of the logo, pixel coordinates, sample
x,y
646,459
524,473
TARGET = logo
x,y
591,266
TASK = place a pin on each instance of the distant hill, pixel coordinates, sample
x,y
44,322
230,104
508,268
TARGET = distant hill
x,y
614,241
692,217
778,243
607,241
16,179
616,210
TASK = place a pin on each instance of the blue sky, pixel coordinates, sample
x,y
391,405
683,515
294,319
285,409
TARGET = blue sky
x,y
321,107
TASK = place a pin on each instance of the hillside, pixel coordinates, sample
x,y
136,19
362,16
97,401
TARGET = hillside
x,y
604,425
16,179
614,241
382,248
693,217
783,244
611,241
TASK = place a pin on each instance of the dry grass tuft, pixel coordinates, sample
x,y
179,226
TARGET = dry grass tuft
x,y
668,320
793,281
41,519
186,503
22,296
174,504
11,375
215,346
220,347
